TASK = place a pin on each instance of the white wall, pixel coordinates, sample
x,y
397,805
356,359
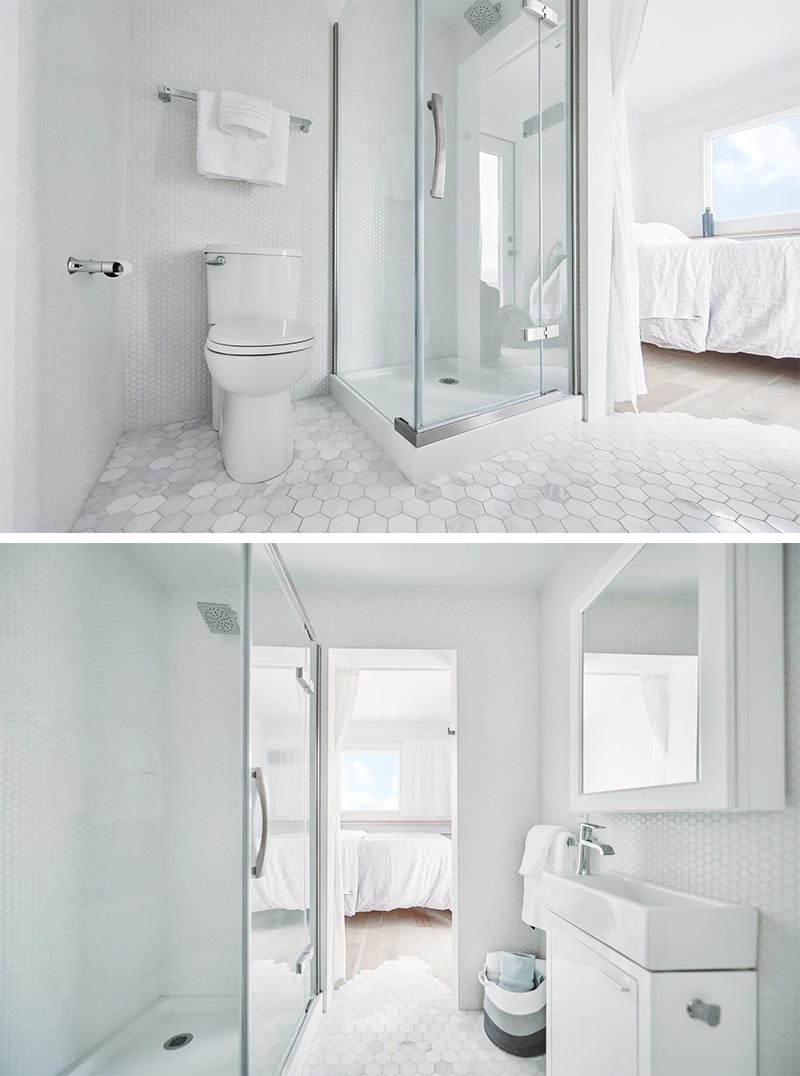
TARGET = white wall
x,y
376,214
81,801
743,857
68,349
668,147
203,807
494,635
278,49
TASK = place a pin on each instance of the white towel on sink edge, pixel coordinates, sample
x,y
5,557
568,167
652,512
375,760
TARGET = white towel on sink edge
x,y
539,845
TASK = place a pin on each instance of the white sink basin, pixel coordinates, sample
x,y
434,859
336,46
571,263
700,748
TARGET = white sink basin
x,y
658,928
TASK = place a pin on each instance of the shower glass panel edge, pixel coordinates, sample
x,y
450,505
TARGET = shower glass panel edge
x,y
282,824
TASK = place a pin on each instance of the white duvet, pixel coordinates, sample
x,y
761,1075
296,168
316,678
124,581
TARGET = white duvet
x,y
722,295
404,870
380,871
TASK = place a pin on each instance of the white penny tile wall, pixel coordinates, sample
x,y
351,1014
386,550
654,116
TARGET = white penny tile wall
x,y
277,49
81,800
748,857
69,346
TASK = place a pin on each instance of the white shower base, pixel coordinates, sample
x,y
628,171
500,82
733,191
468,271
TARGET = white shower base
x,y
138,1048
390,389
371,397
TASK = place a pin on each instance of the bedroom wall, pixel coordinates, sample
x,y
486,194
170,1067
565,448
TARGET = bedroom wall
x,y
667,147
81,801
495,635
740,857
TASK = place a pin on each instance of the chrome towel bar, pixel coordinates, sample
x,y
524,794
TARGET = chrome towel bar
x,y
166,93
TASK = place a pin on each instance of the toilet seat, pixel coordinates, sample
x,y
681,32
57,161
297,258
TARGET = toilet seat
x,y
255,338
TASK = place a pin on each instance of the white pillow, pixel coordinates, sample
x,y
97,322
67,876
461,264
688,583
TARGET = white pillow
x,y
647,234
672,235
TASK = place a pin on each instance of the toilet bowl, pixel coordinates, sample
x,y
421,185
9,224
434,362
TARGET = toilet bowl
x,y
256,363
256,350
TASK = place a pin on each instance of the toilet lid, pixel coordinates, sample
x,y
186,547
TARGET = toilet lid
x,y
255,334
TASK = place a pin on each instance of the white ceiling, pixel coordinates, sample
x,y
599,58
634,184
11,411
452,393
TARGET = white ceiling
x,y
690,47
403,695
421,565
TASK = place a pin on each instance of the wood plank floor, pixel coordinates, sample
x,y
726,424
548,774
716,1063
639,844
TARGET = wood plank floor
x,y
374,937
760,390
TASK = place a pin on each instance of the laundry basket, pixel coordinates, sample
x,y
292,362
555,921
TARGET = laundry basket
x,y
516,1021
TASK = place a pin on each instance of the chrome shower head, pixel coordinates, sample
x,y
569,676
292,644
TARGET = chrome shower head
x,y
220,619
483,16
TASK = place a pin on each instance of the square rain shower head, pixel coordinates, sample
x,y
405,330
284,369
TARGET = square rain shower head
x,y
220,619
483,16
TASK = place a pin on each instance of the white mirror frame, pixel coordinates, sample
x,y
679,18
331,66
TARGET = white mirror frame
x,y
741,686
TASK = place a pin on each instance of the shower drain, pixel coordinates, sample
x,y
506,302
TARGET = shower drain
x,y
449,381
177,1041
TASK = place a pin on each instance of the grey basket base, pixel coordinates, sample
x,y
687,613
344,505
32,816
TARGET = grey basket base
x,y
519,1045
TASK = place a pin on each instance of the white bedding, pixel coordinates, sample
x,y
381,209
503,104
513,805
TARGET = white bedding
x,y
284,882
380,871
404,870
722,295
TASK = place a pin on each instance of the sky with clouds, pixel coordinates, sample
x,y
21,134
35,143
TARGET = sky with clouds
x,y
758,171
370,781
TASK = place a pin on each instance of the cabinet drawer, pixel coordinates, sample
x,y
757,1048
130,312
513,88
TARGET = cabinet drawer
x,y
592,1004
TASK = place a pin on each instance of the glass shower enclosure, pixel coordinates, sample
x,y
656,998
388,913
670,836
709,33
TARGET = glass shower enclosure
x,y
454,209
158,811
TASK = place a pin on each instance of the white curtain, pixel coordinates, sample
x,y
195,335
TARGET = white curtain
x,y
655,688
624,340
345,689
425,769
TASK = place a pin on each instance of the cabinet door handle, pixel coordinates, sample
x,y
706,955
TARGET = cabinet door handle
x,y
613,982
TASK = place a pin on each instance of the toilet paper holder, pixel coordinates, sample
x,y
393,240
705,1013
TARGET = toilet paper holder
x,y
111,269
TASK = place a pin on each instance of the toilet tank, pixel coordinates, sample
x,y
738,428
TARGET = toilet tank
x,y
252,283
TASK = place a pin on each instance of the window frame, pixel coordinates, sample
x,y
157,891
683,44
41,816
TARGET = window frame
x,y
367,749
758,223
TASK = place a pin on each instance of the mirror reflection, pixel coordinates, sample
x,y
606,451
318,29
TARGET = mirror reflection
x,y
640,716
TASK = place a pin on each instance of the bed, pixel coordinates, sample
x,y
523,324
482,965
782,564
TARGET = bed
x,y
404,870
720,295
380,872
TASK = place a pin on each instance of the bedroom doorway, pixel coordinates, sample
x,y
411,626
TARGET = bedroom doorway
x,y
392,719
716,201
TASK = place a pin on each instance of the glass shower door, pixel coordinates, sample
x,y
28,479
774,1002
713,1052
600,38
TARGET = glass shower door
x,y
281,815
494,207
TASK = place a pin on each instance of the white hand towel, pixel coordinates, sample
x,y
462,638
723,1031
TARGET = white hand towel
x,y
539,845
224,156
243,116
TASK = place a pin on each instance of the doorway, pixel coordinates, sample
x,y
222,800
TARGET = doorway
x,y
391,769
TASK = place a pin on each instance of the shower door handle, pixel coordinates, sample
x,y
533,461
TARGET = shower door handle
x,y
436,106
257,871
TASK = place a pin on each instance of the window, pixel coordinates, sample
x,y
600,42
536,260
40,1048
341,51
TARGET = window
x,y
497,215
754,170
371,782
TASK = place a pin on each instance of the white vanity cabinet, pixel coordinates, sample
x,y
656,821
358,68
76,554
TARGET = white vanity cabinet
x,y
606,1016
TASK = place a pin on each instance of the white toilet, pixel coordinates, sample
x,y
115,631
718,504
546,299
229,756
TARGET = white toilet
x,y
255,351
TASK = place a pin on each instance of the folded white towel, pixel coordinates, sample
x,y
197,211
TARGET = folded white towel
x,y
253,160
539,845
243,116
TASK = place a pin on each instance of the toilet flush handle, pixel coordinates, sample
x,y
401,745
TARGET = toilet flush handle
x,y
219,260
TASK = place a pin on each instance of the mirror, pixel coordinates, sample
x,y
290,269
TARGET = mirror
x,y
640,662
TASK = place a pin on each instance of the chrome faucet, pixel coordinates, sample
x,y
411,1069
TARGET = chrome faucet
x,y
587,844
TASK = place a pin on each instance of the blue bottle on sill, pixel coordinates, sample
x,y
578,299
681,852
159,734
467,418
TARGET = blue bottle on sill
x,y
708,224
